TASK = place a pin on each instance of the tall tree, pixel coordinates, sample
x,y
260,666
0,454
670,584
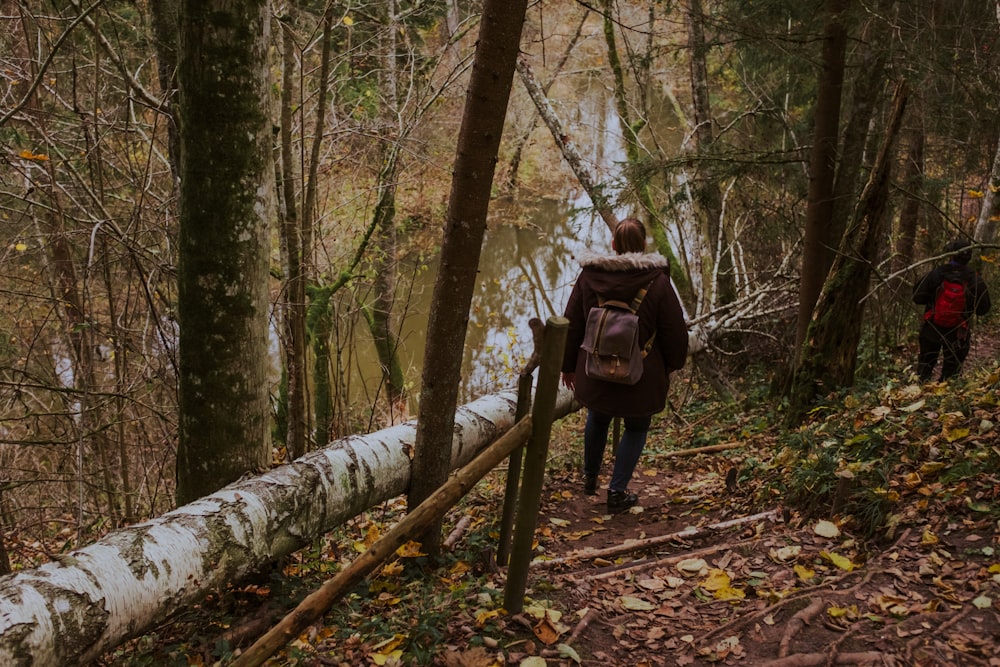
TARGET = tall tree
x,y
818,246
226,203
465,226
829,355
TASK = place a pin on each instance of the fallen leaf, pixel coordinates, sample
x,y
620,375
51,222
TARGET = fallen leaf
x,y
982,602
692,566
533,661
635,604
842,562
826,529
785,554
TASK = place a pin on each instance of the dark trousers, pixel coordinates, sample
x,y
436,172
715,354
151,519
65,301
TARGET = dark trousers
x,y
951,344
595,439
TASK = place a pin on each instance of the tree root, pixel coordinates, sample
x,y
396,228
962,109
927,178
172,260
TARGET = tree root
x,y
801,619
868,658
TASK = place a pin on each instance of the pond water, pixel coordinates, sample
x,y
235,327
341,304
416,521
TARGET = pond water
x,y
526,270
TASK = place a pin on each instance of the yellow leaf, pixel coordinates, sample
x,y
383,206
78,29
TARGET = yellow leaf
x,y
995,568
928,538
348,21
805,574
717,580
485,615
729,593
842,562
392,569
842,612
953,434
410,550
383,658
28,155
931,467
20,247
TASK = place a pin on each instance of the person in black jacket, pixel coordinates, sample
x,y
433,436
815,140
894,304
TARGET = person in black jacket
x,y
950,293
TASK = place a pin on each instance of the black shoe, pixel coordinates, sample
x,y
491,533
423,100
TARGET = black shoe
x,y
619,501
590,485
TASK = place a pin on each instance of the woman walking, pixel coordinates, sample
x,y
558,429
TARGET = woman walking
x,y
662,333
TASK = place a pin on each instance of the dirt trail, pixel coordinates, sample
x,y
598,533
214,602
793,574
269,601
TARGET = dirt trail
x,y
778,591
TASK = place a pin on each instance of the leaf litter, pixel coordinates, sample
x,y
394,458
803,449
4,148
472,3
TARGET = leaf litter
x,y
877,543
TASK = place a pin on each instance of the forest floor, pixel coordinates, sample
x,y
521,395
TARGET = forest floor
x,y
669,583
712,567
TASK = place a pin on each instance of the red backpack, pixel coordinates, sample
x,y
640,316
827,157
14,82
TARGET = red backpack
x,y
948,311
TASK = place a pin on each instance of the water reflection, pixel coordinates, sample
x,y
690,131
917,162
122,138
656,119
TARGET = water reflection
x,y
526,270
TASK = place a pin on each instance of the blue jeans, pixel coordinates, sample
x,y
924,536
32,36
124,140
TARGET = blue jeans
x,y
595,439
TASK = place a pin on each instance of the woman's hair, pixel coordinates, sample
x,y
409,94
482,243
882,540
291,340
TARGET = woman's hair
x,y
629,236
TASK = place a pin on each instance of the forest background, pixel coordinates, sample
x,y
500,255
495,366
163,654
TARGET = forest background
x,y
773,148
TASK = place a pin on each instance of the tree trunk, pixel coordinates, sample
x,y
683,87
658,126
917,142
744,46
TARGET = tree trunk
x,y
465,226
226,204
72,611
829,356
817,246
986,225
909,214
569,152
707,194
294,302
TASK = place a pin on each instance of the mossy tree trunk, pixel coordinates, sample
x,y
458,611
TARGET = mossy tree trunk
x,y
226,205
465,227
829,356
817,245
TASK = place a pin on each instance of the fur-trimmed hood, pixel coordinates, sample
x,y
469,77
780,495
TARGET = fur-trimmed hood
x,y
628,261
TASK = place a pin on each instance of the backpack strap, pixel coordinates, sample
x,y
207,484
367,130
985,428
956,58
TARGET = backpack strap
x,y
636,300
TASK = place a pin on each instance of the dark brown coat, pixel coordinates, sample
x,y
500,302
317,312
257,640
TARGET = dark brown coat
x,y
620,277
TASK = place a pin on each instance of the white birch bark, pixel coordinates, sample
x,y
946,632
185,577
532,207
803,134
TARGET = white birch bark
x,y
94,598
986,226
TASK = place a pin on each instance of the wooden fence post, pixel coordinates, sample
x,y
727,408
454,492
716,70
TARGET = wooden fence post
x,y
524,383
536,452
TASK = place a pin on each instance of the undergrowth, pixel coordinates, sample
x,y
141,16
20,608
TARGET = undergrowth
x,y
873,458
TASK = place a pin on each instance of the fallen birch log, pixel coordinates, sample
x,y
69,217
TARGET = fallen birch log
x,y
319,601
651,542
96,597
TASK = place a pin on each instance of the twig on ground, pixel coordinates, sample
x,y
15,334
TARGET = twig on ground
x,y
703,450
651,542
457,532
627,568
